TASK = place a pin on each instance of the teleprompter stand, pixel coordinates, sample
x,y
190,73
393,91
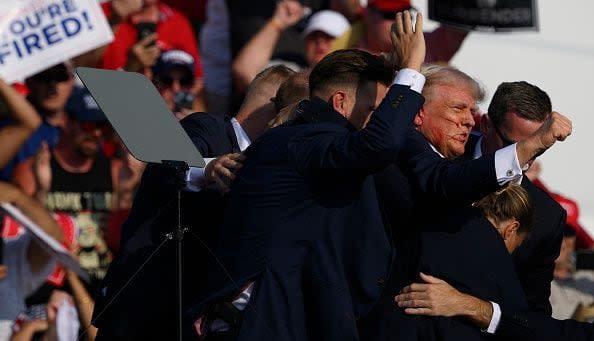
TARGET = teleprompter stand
x,y
151,133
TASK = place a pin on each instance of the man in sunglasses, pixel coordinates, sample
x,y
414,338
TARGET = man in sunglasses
x,y
173,75
517,110
76,178
48,92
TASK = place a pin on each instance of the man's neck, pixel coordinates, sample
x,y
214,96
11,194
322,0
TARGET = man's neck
x,y
71,160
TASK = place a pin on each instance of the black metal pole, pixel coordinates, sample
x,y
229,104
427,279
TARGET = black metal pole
x,y
179,236
179,168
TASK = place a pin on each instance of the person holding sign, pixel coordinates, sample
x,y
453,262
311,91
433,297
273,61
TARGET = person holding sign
x,y
26,263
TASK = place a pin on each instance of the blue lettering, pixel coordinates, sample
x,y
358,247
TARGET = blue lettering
x,y
17,49
69,6
71,26
36,22
17,27
30,41
4,54
50,33
53,10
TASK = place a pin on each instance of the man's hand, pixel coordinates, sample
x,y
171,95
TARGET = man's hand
x,y
555,128
221,170
143,54
409,45
435,297
287,13
3,271
42,171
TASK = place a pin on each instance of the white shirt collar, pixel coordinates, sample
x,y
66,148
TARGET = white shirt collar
x,y
243,140
435,150
477,149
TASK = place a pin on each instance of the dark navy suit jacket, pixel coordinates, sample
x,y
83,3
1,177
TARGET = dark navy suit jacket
x,y
536,326
534,260
435,230
149,299
303,223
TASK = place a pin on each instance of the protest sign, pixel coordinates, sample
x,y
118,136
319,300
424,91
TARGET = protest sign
x,y
50,245
492,15
36,34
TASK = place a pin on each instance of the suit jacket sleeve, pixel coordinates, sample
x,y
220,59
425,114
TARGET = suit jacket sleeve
x,y
540,327
446,179
540,281
367,149
202,128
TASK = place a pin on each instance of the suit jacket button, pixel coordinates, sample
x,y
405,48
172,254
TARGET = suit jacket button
x,y
381,281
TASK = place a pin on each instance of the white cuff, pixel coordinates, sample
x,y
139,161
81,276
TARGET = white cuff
x,y
507,166
495,318
410,77
195,177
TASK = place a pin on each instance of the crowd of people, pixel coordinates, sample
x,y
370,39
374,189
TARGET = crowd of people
x,y
352,190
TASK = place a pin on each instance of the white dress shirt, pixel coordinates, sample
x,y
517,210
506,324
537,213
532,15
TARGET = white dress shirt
x,y
195,175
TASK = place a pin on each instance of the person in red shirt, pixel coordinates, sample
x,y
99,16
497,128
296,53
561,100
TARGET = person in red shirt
x,y
133,52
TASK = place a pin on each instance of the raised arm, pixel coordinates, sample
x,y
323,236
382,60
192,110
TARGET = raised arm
x,y
378,143
469,180
25,121
256,54
36,255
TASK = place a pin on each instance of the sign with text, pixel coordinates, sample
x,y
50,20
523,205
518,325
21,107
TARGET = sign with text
x,y
37,34
491,15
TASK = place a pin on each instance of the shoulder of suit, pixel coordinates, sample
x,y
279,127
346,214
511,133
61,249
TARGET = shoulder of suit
x,y
541,198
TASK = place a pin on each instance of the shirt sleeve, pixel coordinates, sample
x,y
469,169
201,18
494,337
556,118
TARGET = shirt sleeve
x,y
507,166
495,318
195,177
412,78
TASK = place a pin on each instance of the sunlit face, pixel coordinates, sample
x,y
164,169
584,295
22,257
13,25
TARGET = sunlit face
x,y
446,118
367,99
317,46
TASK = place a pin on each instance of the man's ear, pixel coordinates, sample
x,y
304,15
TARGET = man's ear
x,y
419,117
510,229
339,101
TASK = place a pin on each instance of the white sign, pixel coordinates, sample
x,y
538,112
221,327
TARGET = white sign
x,y
49,244
37,34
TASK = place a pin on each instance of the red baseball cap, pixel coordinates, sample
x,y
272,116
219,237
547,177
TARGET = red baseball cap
x,y
584,240
389,6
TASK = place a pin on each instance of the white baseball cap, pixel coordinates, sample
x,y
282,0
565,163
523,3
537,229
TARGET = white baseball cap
x,y
330,22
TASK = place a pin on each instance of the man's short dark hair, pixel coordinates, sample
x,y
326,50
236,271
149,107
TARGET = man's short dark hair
x,y
526,100
349,68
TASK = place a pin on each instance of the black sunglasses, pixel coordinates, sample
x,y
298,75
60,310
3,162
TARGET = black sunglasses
x,y
55,74
185,81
